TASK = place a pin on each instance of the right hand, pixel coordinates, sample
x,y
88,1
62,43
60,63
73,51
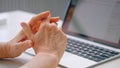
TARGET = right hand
x,y
49,39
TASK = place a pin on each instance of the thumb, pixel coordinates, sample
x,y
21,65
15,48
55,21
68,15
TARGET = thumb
x,y
27,30
22,46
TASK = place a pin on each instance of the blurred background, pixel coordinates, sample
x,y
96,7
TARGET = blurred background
x,y
57,7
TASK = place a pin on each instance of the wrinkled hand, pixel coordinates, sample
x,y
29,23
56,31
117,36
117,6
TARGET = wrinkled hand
x,y
34,23
14,48
19,43
49,39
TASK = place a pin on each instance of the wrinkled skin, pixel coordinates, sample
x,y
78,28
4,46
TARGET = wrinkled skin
x,y
20,42
49,39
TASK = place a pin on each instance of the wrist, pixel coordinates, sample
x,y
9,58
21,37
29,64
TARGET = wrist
x,y
8,50
4,50
43,60
49,56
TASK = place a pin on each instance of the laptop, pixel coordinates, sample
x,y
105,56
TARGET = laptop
x,y
93,32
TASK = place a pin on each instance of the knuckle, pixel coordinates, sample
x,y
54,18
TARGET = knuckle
x,y
44,25
54,25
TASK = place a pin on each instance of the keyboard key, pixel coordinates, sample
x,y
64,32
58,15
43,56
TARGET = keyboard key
x,y
89,51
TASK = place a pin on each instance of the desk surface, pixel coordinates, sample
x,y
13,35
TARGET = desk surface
x,y
12,26
15,62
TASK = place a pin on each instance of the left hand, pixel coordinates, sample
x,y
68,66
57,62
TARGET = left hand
x,y
14,48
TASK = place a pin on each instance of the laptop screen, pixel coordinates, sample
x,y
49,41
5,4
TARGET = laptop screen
x,y
97,20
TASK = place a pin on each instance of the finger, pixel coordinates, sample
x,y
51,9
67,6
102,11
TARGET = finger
x,y
53,25
22,46
54,19
53,28
48,19
44,23
19,37
42,27
38,17
60,31
27,30
38,23
36,27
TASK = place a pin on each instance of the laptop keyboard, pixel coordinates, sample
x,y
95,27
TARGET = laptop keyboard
x,y
89,51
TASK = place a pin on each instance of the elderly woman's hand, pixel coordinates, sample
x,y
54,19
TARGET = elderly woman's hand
x,y
49,39
19,43
13,48
34,24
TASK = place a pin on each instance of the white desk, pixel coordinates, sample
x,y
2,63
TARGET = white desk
x,y
15,62
12,27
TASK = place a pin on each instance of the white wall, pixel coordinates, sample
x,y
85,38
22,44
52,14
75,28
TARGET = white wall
x,y
57,7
